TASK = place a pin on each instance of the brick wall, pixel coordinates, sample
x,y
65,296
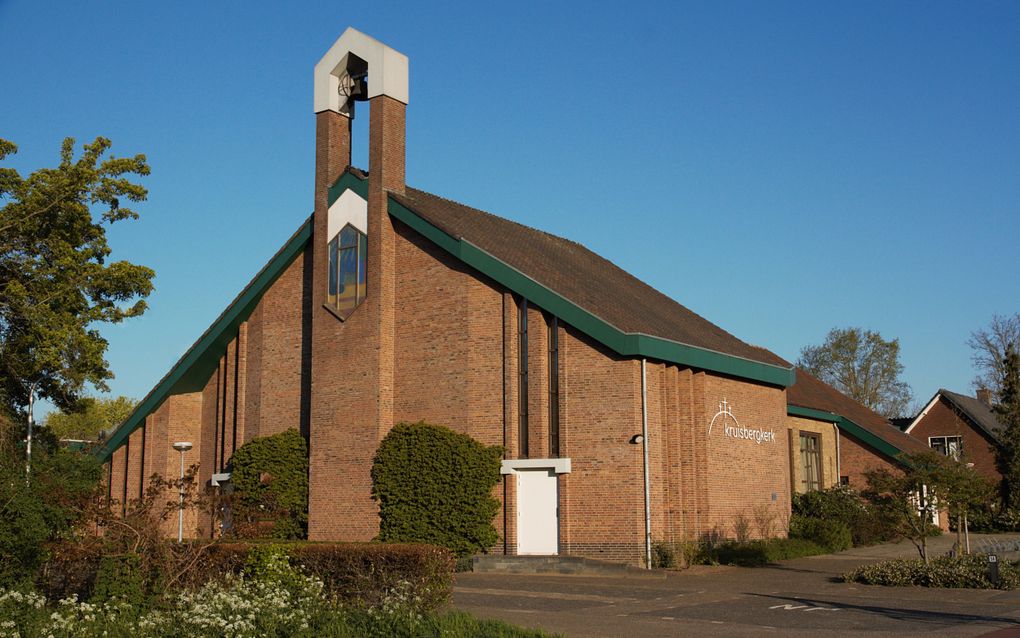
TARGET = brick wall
x,y
448,336
602,499
277,361
746,478
857,458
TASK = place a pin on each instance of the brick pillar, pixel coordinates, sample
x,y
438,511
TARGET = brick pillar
x,y
386,159
352,360
386,144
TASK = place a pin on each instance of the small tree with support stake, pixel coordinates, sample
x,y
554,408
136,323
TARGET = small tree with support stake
x,y
930,481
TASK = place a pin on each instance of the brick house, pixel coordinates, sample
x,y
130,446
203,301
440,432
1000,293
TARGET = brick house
x,y
626,418
963,427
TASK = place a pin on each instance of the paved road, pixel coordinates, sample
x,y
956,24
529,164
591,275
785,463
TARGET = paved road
x,y
802,597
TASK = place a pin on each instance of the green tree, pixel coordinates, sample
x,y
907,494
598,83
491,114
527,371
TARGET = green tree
x,y
95,415
964,492
62,488
434,486
862,365
907,499
1008,411
57,284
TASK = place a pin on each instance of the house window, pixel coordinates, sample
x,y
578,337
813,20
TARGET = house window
x,y
348,252
522,329
948,445
554,387
811,462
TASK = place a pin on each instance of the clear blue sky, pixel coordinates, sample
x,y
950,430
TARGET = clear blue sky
x,y
780,168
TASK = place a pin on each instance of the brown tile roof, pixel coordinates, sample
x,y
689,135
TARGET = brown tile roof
x,y
581,276
811,392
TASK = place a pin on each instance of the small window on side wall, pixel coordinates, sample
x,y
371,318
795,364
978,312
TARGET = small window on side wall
x,y
348,252
949,445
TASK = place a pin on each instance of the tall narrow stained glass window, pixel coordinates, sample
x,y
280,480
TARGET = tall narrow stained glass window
x,y
554,387
522,364
348,252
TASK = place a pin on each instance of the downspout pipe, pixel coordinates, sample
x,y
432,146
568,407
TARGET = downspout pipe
x,y
644,445
839,472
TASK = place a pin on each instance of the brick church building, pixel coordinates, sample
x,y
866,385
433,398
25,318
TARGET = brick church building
x,y
626,418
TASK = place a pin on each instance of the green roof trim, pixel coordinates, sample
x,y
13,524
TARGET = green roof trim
x,y
811,413
192,371
345,182
627,344
850,428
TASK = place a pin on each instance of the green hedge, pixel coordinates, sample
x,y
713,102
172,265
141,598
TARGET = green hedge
x,y
357,573
830,534
435,486
270,478
756,553
944,571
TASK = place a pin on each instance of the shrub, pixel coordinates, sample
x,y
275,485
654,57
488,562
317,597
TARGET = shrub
x,y
44,509
944,571
843,504
741,527
682,553
840,503
664,555
243,607
830,534
363,574
69,571
270,477
119,576
434,486
756,553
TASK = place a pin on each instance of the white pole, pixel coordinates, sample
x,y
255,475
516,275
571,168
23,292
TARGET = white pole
x,y
966,533
180,508
839,471
644,445
31,424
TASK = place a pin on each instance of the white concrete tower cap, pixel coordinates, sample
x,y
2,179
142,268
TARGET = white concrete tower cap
x,y
387,70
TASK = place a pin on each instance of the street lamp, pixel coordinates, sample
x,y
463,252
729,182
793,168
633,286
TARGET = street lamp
x,y
182,447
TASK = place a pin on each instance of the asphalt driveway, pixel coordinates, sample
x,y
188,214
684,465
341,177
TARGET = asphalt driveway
x,y
802,597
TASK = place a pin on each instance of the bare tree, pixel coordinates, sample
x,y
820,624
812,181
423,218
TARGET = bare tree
x,y
989,346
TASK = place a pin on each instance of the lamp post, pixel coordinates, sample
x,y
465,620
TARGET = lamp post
x,y
182,447
31,426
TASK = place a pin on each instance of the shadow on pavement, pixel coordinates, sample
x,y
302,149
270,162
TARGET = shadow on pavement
x,y
895,613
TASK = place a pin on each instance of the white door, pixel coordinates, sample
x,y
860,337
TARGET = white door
x,y
537,512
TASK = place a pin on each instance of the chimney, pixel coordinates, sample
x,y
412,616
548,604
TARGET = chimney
x,y
984,395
